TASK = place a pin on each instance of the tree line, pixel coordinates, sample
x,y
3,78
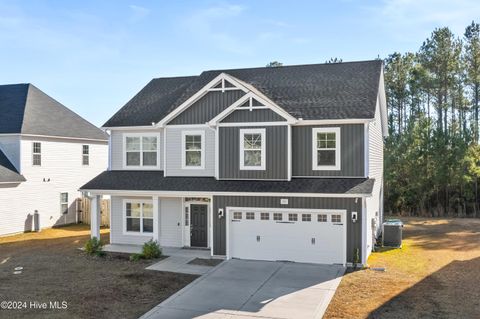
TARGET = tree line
x,y
432,156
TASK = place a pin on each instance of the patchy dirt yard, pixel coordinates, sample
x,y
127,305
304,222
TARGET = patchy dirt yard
x,y
93,287
435,275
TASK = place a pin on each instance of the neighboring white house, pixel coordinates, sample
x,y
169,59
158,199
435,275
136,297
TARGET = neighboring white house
x,y
46,153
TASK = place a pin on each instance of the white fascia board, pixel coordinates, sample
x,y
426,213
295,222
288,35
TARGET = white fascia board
x,y
197,96
382,104
333,122
62,137
202,193
129,128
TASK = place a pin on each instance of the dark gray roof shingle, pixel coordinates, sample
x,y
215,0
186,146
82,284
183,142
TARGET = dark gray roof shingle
x,y
312,92
155,181
27,110
8,172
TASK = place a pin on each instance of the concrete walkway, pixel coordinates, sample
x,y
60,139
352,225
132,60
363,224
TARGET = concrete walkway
x,y
177,261
252,289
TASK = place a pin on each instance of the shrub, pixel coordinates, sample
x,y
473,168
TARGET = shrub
x,y
94,246
136,257
151,250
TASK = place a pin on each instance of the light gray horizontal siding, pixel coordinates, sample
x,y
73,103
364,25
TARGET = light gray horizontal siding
x,y
263,115
351,150
207,107
174,153
116,147
276,154
354,230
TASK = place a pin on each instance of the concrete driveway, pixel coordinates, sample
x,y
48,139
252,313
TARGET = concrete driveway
x,y
248,289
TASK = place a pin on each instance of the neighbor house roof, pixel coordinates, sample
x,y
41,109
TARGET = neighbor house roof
x,y
155,181
8,172
346,90
25,109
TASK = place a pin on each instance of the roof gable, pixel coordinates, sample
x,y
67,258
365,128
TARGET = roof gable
x,y
332,91
8,172
27,110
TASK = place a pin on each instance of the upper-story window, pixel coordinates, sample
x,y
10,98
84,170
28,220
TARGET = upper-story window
x,y
37,153
141,150
326,148
252,149
193,149
85,155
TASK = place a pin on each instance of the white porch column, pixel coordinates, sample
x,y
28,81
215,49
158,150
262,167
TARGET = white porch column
x,y
156,218
95,217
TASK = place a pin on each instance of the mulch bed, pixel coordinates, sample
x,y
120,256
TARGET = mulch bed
x,y
205,262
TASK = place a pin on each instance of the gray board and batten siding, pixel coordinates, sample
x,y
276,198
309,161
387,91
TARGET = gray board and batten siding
x,y
207,107
354,230
245,116
352,140
276,157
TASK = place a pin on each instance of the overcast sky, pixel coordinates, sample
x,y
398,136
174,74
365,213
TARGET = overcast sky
x,y
93,56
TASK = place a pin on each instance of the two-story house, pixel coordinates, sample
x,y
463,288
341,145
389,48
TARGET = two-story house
x,y
46,153
275,163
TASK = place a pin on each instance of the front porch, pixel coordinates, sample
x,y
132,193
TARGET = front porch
x,y
174,222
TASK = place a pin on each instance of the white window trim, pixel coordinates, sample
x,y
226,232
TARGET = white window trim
x,y
33,153
202,150
337,165
63,203
262,150
86,155
124,216
142,167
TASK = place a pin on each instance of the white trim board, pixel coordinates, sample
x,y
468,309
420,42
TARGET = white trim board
x,y
55,137
208,194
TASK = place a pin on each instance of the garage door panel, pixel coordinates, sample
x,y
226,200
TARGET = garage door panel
x,y
300,241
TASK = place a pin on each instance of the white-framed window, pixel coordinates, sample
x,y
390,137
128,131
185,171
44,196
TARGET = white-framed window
x,y
63,203
37,154
237,215
252,149
249,215
277,216
264,216
326,148
85,155
138,217
322,218
306,217
292,217
193,149
336,218
141,150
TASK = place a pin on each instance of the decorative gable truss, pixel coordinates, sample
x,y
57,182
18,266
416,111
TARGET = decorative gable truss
x,y
223,82
252,100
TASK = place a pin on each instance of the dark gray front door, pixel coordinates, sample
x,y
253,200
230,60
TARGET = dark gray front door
x,y
198,226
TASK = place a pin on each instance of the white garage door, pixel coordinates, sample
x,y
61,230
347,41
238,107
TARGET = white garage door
x,y
309,236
